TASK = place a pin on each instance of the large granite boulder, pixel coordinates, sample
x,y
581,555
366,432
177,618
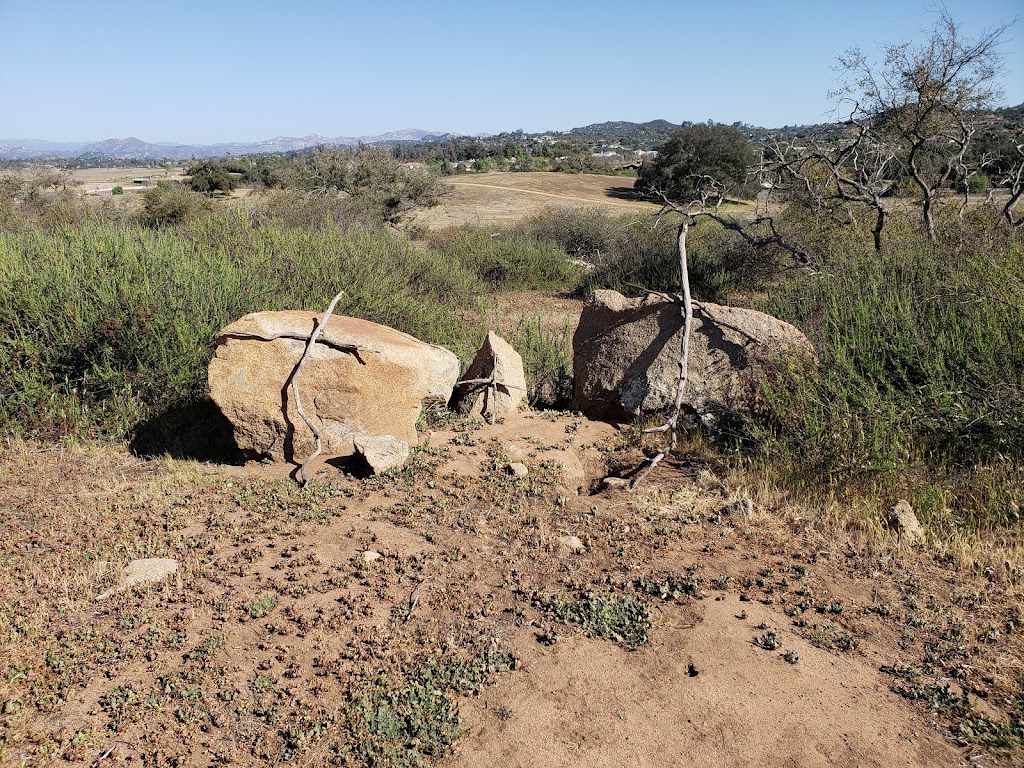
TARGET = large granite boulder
x,y
495,361
361,380
626,356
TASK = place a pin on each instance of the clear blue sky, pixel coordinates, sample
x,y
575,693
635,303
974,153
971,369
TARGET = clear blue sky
x,y
206,71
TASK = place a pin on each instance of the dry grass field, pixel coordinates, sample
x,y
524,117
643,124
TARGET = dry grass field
x,y
107,178
501,198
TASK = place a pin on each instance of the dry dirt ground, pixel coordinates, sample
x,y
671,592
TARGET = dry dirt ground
x,y
501,198
456,611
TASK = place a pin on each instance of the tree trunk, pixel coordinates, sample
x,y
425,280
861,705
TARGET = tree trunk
x,y
877,231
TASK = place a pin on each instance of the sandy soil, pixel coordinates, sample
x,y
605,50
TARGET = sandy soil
x,y
701,694
193,671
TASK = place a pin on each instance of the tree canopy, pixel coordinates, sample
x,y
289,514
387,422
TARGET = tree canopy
x,y
370,175
209,177
694,156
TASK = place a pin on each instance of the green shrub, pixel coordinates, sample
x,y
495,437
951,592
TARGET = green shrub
x,y
105,327
118,190
922,362
547,360
169,202
977,183
506,259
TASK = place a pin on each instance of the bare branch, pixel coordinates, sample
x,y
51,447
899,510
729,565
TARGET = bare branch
x,y
295,386
671,426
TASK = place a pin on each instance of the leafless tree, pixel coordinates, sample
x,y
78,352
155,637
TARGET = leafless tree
x,y
1013,181
923,98
856,170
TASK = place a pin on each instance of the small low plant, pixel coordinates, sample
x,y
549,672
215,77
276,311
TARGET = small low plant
x,y
971,726
257,609
411,718
622,620
670,586
770,640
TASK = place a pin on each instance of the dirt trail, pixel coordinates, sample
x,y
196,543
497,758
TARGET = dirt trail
x,y
591,201
701,694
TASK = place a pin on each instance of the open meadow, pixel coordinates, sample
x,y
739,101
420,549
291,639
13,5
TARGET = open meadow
x,y
752,602
503,198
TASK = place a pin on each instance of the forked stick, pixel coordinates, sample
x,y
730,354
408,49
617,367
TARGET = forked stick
x,y
310,343
672,424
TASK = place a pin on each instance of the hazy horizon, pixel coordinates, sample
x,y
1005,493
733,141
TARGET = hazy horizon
x,y
237,73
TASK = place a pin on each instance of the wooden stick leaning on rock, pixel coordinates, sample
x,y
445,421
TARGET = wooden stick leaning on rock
x,y
310,343
491,393
672,424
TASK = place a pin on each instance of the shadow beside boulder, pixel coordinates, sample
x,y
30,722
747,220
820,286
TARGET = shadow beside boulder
x,y
195,430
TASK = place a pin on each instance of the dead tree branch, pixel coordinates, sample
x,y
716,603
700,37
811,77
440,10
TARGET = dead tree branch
x,y
310,343
672,424
490,394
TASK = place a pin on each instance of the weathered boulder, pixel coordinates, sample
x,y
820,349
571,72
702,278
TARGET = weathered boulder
x,y
496,360
360,380
626,356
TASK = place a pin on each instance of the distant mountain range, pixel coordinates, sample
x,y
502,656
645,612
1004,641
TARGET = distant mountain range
x,y
608,135
136,149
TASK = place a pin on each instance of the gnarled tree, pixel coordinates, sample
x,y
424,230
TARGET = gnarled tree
x,y
923,100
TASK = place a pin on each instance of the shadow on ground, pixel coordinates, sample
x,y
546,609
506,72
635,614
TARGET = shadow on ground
x,y
195,430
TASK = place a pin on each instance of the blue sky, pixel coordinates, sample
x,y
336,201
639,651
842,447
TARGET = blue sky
x,y
223,70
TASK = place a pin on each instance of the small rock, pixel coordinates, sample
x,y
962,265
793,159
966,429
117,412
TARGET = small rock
x,y
515,452
518,469
370,556
382,452
742,508
143,571
614,482
571,544
497,361
905,523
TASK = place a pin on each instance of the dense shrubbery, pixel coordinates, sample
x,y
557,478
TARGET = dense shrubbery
x,y
922,365
506,259
630,253
109,324
106,321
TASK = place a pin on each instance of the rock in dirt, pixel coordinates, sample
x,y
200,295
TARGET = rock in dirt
x,y
741,508
382,452
571,544
361,379
626,356
370,556
518,469
496,360
904,522
151,569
